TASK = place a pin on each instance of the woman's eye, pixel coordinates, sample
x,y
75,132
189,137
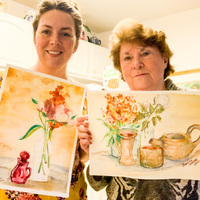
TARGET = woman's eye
x,y
66,34
127,58
46,32
145,53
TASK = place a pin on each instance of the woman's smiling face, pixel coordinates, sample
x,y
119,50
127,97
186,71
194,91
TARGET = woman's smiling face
x,y
142,67
55,40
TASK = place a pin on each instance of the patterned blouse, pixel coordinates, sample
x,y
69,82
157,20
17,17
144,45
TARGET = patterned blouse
x,y
121,188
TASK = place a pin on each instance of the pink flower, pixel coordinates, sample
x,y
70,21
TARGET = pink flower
x,y
62,114
49,108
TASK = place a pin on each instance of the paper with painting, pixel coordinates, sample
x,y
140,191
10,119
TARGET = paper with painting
x,y
146,135
37,131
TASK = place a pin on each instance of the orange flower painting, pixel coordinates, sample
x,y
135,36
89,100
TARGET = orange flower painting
x,y
120,110
38,133
145,135
124,112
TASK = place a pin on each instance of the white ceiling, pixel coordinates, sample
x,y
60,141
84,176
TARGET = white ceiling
x,y
102,15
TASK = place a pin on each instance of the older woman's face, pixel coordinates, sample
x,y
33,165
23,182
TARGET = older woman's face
x,y
142,67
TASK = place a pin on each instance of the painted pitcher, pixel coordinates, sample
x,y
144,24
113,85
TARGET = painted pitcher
x,y
125,147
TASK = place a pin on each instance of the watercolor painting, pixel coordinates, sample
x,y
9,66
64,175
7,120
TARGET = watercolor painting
x,y
2,69
189,79
146,135
38,133
195,85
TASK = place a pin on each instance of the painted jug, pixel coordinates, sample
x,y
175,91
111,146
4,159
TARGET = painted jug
x,y
125,146
177,145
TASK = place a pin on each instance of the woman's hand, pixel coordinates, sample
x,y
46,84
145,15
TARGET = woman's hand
x,y
84,133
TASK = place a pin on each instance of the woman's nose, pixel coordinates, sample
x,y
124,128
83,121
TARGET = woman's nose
x,y
55,40
138,64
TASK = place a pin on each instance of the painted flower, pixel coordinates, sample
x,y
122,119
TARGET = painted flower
x,y
124,112
120,112
53,113
163,100
62,114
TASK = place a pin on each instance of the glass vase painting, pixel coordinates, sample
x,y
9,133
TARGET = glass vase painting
x,y
146,135
38,133
53,113
42,151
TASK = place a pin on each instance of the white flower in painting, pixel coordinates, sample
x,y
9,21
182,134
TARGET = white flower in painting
x,y
62,114
163,100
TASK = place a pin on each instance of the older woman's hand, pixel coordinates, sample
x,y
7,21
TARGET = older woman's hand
x,y
84,133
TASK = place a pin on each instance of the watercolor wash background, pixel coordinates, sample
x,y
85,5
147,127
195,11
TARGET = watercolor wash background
x,y
182,109
18,113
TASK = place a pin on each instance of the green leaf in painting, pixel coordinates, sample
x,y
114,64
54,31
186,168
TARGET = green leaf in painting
x,y
154,101
160,109
110,141
154,121
44,115
31,131
143,108
108,134
34,101
151,109
50,134
73,117
118,137
158,117
135,126
139,117
50,120
144,125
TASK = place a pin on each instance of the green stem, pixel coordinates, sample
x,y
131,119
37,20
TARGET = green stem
x,y
41,119
41,166
45,145
152,112
45,159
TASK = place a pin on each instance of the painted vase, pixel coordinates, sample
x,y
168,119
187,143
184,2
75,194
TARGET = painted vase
x,y
43,149
125,149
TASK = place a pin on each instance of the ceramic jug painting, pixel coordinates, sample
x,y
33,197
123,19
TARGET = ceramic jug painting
x,y
177,145
125,148
151,156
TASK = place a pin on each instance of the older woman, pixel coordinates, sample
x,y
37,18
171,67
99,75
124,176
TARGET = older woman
x,y
143,57
57,28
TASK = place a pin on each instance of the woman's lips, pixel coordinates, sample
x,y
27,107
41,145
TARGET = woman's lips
x,y
142,74
54,52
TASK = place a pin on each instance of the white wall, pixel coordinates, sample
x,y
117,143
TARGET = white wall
x,y
182,30
18,9
104,37
183,33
